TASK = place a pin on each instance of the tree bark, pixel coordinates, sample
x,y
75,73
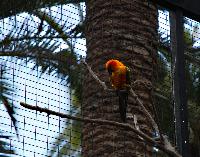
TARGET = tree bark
x,y
124,30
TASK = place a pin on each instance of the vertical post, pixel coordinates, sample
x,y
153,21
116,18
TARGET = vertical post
x,y
179,82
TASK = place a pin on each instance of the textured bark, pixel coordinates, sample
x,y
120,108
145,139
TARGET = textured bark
x,y
124,30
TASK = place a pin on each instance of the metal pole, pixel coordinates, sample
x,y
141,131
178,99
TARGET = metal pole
x,y
179,82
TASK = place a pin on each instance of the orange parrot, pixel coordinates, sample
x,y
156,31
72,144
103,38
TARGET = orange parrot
x,y
119,77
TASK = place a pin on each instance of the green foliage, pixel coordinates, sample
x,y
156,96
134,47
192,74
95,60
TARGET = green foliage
x,y
69,141
164,84
188,38
4,149
163,103
4,146
193,93
38,46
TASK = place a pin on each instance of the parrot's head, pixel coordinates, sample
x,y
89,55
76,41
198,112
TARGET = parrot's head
x,y
112,65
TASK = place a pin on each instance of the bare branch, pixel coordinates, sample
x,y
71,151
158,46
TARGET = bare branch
x,y
169,150
145,110
131,90
95,76
149,86
166,141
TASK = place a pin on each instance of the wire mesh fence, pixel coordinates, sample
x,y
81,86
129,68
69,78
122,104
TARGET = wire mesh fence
x,y
192,82
37,73
40,58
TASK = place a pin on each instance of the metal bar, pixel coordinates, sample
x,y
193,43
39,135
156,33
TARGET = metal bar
x,y
190,8
179,82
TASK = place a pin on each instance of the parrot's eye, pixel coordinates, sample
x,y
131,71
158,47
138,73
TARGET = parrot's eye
x,y
110,70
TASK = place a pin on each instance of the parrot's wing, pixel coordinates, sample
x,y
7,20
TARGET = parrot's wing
x,y
128,76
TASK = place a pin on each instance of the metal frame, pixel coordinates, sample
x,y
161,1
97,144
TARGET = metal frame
x,y
179,82
189,8
180,8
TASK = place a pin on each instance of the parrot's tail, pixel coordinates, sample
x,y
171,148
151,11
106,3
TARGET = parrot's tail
x,y
123,98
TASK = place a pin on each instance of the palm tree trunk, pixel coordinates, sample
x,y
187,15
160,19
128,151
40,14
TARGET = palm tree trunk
x,y
124,30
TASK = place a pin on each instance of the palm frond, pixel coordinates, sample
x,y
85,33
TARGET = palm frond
x,y
5,92
4,149
38,46
24,6
4,145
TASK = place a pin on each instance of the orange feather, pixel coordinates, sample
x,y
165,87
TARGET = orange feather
x,y
118,73
119,77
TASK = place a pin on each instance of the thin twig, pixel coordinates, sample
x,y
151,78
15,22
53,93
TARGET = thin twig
x,y
144,109
131,90
169,150
148,85
95,76
166,141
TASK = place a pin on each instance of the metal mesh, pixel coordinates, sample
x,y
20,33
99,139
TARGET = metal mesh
x,y
192,82
39,79
40,65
